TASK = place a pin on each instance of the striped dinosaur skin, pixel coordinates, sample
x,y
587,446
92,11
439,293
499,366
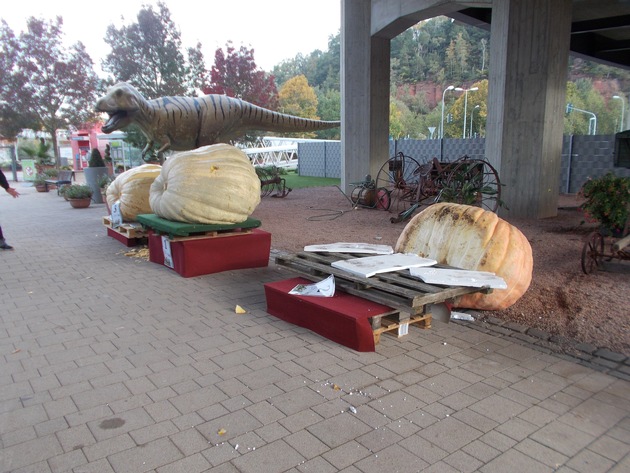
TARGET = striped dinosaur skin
x,y
183,123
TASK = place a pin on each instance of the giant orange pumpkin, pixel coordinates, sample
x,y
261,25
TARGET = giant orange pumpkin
x,y
469,237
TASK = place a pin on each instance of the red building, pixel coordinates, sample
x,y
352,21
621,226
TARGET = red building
x,y
82,143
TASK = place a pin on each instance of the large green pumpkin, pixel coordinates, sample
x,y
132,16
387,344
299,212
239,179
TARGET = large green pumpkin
x,y
210,185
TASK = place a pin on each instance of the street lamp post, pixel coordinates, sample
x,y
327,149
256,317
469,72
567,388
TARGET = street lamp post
x,y
459,89
450,87
472,112
623,111
592,122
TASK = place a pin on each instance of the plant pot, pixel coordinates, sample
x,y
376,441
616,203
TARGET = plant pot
x,y
80,203
41,188
92,176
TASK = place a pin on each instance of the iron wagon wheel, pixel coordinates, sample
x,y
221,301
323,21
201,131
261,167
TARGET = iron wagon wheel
x,y
592,252
383,199
472,181
399,176
267,184
271,181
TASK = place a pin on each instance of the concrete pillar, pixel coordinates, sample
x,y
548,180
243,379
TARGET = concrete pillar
x,y
528,73
364,93
379,103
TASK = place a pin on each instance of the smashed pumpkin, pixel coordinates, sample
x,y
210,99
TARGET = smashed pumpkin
x,y
131,190
210,185
472,238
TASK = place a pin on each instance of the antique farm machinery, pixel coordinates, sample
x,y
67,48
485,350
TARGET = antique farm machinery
x,y
272,181
403,184
599,250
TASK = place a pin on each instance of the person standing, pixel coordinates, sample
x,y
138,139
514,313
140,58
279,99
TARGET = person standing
x,y
10,190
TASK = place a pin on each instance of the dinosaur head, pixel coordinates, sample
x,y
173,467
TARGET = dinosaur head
x,y
120,102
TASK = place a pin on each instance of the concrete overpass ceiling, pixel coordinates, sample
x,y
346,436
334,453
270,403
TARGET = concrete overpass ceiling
x,y
600,29
391,18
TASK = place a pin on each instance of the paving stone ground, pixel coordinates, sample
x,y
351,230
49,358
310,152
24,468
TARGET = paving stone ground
x,y
111,363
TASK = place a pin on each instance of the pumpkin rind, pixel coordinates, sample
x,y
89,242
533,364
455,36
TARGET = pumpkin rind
x,y
469,237
131,189
210,185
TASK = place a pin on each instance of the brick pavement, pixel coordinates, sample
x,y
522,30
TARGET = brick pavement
x,y
115,364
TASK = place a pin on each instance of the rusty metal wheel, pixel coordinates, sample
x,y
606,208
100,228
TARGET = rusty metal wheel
x,y
592,253
383,200
472,181
399,176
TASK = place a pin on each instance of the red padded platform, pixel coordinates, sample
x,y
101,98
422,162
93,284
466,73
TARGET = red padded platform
x,y
199,256
123,238
343,318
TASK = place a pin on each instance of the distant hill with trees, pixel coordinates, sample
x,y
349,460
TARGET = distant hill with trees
x,y
425,60
436,53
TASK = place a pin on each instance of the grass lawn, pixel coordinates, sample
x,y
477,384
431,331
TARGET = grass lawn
x,y
294,181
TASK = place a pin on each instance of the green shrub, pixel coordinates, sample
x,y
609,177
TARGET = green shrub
x,y
96,160
77,191
607,201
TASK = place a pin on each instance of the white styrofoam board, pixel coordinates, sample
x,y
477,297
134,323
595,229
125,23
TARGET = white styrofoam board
x,y
371,265
459,277
348,247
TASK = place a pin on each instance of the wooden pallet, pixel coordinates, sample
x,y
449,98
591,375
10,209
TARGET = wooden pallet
x,y
398,290
129,230
212,234
395,325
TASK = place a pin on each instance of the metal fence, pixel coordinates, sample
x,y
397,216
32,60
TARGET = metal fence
x,y
583,156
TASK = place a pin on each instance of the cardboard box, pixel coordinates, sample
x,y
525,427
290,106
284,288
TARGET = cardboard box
x,y
196,256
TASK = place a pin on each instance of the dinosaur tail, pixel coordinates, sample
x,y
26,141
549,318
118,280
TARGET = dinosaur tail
x,y
259,118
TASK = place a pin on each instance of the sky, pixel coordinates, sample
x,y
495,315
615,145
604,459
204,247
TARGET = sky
x,y
275,29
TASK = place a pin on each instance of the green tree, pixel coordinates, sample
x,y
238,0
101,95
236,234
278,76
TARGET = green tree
x,y
329,108
48,87
148,54
396,126
321,69
477,97
461,53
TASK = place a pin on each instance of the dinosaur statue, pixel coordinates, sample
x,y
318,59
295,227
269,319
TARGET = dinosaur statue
x,y
183,123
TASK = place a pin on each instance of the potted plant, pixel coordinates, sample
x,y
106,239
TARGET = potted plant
x,y
79,195
103,184
607,201
40,183
94,172
40,153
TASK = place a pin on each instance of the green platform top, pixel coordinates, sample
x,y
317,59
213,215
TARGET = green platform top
x,y
173,228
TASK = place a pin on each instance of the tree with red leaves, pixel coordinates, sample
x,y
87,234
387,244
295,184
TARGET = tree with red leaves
x,y
235,74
